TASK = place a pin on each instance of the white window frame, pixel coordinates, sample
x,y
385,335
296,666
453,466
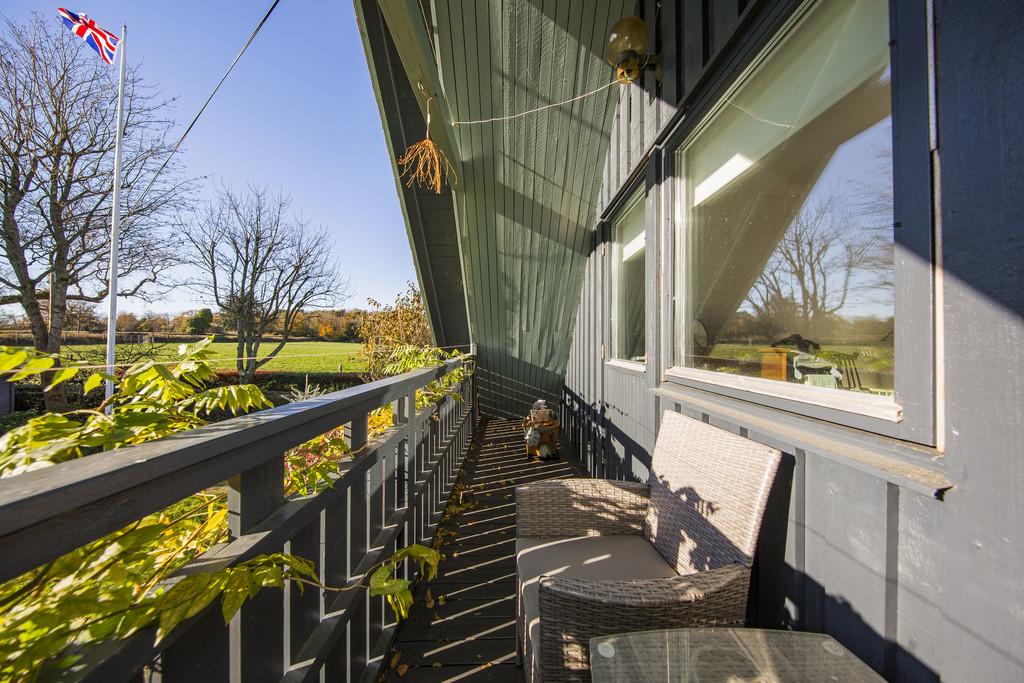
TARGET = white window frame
x,y
911,413
636,197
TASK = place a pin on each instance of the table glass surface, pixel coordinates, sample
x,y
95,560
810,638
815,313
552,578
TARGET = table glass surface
x,y
725,655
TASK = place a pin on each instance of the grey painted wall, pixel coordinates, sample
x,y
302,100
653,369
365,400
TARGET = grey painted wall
x,y
857,542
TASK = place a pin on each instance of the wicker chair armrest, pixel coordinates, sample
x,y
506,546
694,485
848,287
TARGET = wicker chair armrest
x,y
581,507
572,611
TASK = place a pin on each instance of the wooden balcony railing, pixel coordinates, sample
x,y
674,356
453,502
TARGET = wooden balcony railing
x,y
390,495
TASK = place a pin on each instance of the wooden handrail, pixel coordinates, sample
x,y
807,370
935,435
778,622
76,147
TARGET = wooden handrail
x,y
388,496
67,505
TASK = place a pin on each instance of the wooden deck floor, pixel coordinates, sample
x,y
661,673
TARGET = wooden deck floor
x,y
471,637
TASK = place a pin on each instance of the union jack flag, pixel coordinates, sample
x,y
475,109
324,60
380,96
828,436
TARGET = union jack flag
x,y
104,42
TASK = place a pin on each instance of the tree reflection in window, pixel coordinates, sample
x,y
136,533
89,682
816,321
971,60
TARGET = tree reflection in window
x,y
786,240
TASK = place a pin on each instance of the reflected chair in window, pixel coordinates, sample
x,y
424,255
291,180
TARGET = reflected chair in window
x,y
597,557
816,372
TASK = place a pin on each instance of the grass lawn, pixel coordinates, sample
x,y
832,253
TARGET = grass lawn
x,y
294,357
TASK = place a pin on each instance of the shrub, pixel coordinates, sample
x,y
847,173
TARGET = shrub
x,y
114,586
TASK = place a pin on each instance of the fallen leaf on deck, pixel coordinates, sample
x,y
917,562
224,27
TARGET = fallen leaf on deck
x,y
395,658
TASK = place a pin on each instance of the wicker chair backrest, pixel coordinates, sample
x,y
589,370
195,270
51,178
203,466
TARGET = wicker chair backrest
x,y
709,488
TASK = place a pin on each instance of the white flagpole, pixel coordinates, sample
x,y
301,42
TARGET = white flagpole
x,y
115,223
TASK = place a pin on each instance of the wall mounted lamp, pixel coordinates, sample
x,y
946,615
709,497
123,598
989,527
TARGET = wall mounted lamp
x,y
626,49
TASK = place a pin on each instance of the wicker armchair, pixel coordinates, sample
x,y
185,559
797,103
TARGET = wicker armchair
x,y
597,557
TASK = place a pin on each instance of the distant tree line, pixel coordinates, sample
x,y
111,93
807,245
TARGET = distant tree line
x,y
342,325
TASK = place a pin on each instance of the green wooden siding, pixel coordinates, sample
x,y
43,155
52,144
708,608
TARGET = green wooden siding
x,y
429,217
526,212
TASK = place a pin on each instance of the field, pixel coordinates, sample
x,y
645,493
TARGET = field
x,y
294,357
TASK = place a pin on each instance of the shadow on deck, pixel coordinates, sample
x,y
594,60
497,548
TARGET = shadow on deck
x,y
469,631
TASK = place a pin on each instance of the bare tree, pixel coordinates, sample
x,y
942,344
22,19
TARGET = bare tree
x,y
261,267
821,261
83,317
57,132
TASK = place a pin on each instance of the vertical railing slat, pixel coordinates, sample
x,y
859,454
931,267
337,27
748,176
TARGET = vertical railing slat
x,y
334,542
358,534
422,444
302,603
199,654
375,499
432,485
389,471
257,631
410,469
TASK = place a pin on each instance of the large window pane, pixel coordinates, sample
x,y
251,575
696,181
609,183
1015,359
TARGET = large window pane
x,y
628,258
786,236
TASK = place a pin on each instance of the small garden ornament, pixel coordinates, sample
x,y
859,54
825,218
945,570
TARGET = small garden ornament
x,y
541,432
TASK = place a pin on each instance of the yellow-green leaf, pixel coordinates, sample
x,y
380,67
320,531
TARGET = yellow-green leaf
x,y
94,380
34,367
62,375
236,591
10,360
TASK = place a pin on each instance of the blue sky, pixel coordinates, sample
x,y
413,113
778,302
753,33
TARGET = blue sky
x,y
298,113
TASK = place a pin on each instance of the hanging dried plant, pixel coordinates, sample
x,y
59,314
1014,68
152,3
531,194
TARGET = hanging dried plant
x,y
424,163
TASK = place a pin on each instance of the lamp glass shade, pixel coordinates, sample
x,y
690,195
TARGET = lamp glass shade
x,y
628,34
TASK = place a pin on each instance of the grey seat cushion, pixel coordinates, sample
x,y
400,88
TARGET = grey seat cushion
x,y
583,557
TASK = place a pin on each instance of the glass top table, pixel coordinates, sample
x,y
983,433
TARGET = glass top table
x,y
725,655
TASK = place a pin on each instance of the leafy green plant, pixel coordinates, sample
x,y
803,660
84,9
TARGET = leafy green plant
x,y
112,587
310,467
152,400
405,358
115,586
387,326
304,393
384,582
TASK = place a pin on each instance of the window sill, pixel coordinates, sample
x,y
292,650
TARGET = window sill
x,y
852,402
630,366
917,468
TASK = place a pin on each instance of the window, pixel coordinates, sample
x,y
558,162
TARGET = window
x,y
786,265
627,281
